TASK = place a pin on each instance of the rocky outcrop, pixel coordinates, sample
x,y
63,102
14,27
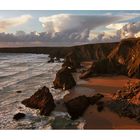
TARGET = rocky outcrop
x,y
72,61
19,116
126,102
64,79
42,100
123,59
127,53
88,52
101,67
77,106
51,60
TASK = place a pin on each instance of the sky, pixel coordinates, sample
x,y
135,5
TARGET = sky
x,y
67,27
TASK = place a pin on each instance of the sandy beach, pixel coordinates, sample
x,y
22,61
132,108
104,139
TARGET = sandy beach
x,y
106,119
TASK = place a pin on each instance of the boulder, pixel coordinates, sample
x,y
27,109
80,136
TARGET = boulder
x,y
18,91
18,116
42,100
51,60
64,79
77,106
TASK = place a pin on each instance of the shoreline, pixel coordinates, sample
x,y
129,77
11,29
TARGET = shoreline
x,y
106,119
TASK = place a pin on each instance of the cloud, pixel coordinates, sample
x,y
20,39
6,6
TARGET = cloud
x,y
43,39
66,27
115,26
129,30
126,31
74,29
77,23
137,34
6,23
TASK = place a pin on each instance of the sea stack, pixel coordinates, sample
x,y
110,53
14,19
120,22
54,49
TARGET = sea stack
x,y
42,100
64,79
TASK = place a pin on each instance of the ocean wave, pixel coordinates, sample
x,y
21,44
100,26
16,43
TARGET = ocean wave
x,y
27,73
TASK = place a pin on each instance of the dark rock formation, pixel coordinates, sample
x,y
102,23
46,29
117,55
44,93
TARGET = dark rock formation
x,y
64,79
18,91
88,73
51,60
42,100
104,66
87,51
72,61
18,116
127,53
77,106
126,102
92,100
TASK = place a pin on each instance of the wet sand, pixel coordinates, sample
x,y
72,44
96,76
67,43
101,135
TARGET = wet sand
x,y
106,119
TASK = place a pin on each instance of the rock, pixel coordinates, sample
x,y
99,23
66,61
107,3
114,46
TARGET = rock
x,y
51,60
18,116
124,59
18,91
42,100
126,102
87,73
72,61
64,79
77,106
92,100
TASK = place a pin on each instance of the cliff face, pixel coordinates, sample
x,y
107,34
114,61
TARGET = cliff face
x,y
122,59
127,53
72,55
94,51
59,52
83,52
111,58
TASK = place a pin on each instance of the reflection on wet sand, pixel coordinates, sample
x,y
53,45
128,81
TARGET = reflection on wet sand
x,y
105,119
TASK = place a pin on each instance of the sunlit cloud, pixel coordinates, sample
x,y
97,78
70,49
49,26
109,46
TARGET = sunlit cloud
x,y
115,26
78,23
72,29
6,23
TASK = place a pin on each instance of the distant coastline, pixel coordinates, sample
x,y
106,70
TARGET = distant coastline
x,y
59,52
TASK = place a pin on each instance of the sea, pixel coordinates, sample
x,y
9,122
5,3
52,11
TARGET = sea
x,y
20,76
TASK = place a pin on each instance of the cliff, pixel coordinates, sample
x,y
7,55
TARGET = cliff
x,y
83,52
124,59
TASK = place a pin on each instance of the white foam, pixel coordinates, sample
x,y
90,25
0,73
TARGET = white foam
x,y
28,72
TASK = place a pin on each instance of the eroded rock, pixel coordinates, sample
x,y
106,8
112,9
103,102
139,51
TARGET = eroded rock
x,y
77,106
64,79
42,100
126,102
